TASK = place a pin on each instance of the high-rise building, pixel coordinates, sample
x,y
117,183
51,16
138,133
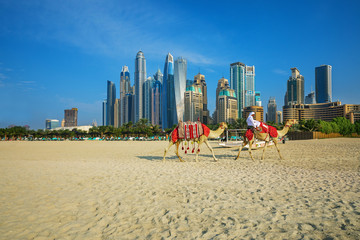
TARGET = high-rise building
x,y
237,82
71,117
158,76
129,100
310,98
168,94
227,106
147,95
279,117
117,113
180,72
51,124
193,103
223,83
249,86
323,84
258,99
271,110
242,80
295,88
125,88
156,101
199,80
139,77
104,114
110,103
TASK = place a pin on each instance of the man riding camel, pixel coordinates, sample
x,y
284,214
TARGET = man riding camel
x,y
252,124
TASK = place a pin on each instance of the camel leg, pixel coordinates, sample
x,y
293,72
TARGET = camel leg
x,y
263,155
167,149
212,151
250,145
277,147
197,152
177,151
241,148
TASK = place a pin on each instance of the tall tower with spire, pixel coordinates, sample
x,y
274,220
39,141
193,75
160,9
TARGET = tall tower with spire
x,y
168,94
139,77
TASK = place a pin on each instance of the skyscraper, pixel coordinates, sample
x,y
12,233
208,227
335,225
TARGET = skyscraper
x,y
140,77
295,88
237,82
147,95
168,94
71,117
271,110
156,101
193,103
199,80
310,98
323,84
249,86
180,71
104,114
110,103
223,83
125,88
228,110
258,99
242,80
117,113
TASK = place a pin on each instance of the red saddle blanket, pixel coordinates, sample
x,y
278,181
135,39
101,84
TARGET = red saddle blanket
x,y
264,129
189,131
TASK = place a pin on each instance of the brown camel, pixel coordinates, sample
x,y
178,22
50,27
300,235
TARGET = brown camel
x,y
199,140
266,137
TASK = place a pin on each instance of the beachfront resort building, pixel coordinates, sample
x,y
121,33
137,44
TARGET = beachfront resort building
x,y
322,111
71,117
258,110
193,103
227,106
51,124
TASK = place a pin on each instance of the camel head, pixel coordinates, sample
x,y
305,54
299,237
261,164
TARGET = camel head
x,y
290,122
223,125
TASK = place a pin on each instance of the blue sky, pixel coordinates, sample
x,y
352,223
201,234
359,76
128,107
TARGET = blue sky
x,y
56,55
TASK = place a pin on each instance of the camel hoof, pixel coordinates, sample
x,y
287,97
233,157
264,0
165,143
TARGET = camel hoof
x,y
215,159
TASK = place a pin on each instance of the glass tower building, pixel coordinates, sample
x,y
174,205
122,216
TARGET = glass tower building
x,y
110,103
249,86
180,72
168,94
125,88
147,94
323,84
156,99
139,77
295,88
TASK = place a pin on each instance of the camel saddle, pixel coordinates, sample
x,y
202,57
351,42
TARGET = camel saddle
x,y
272,131
189,131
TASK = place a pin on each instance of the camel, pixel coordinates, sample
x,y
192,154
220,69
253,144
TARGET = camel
x,y
266,137
199,140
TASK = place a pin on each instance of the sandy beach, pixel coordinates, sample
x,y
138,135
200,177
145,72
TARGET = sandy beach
x,y
123,190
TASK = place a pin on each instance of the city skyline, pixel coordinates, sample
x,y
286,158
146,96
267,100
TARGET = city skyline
x,y
55,57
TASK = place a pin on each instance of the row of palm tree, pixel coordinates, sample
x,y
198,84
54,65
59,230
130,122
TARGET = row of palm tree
x,y
143,129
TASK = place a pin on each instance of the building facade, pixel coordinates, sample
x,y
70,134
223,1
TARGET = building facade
x,y
259,112
51,124
237,82
199,81
323,83
71,117
295,88
223,84
125,88
258,99
180,76
104,113
139,79
117,113
193,98
310,98
110,103
271,115
322,111
249,86
156,102
168,94
279,117
147,95
228,106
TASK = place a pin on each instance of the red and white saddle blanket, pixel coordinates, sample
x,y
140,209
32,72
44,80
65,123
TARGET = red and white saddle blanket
x,y
189,131
272,131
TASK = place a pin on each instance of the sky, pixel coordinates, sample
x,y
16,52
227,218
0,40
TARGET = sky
x,y
56,55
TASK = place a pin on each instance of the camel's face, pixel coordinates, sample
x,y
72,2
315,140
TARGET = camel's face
x,y
223,125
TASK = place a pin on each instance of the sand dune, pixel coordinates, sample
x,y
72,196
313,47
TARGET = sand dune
x,y
123,190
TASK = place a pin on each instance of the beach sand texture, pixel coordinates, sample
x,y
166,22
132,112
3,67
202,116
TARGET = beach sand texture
x,y
123,190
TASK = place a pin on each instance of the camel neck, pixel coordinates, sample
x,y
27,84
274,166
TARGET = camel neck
x,y
284,131
216,133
